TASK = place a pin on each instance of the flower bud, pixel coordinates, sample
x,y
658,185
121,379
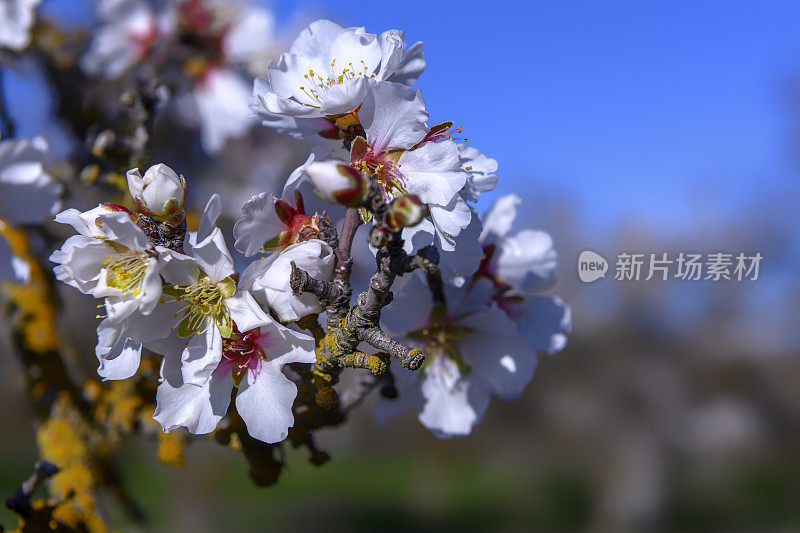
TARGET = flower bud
x,y
338,183
405,211
160,193
378,236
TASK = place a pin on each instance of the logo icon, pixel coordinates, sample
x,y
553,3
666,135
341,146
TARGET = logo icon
x,y
591,266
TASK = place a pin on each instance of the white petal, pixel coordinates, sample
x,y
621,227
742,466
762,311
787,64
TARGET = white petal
x,y
222,103
497,354
208,220
481,172
16,20
85,223
344,97
259,224
245,312
29,195
150,291
265,401
316,39
202,355
411,66
213,257
433,172
197,408
458,265
498,220
118,355
283,345
527,260
80,262
119,228
119,308
177,268
393,116
450,220
268,279
452,406
545,321
392,44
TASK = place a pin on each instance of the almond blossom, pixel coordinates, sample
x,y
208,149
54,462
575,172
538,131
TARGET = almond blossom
x,y
251,361
111,258
203,285
213,41
474,350
519,266
318,85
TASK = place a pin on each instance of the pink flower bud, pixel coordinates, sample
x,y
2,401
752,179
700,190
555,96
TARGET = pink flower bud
x,y
405,211
338,183
160,193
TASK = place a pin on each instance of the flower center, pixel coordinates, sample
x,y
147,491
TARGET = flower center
x,y
126,271
204,299
316,85
242,352
441,338
383,167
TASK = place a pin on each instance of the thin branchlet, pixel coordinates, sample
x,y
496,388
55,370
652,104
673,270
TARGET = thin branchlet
x,y
348,326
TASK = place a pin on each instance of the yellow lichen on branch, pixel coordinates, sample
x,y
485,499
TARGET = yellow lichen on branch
x,y
63,440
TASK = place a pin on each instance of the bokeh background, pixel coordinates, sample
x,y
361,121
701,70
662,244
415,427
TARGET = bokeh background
x,y
624,126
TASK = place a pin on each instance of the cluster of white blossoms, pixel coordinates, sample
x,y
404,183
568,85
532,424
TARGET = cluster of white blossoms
x,y
465,323
214,43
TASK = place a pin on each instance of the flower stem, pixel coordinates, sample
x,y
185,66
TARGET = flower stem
x,y
352,220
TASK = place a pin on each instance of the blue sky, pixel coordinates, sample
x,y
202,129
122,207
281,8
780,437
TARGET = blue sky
x,y
632,109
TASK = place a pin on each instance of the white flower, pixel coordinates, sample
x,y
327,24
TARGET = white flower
x,y
268,278
250,37
16,20
122,267
203,284
519,266
338,183
130,28
222,106
325,74
251,361
160,193
111,258
28,195
473,349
